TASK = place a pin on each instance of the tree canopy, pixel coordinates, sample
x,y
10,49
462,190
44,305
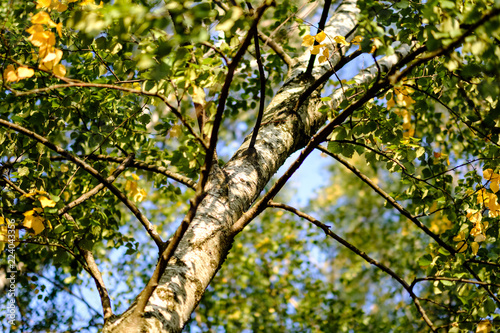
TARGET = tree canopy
x,y
148,153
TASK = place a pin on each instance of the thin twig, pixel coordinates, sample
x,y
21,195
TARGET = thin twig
x,y
72,83
444,278
105,64
69,291
97,188
408,215
99,146
450,110
397,76
388,198
219,52
363,255
475,261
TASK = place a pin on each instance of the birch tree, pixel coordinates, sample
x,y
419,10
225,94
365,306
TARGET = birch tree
x,y
117,122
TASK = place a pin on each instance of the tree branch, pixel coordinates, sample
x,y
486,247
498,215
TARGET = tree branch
x,y
73,83
69,291
167,253
363,255
262,79
388,198
97,188
130,205
321,27
319,137
277,49
99,282
138,165
408,215
396,77
444,278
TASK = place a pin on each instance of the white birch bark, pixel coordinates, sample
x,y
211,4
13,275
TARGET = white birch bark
x,y
233,188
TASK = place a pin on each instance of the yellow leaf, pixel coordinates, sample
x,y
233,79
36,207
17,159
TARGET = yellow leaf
x,y
325,56
42,18
25,72
9,74
46,202
130,186
474,216
135,176
4,233
356,40
139,195
461,246
484,326
60,70
60,7
459,237
474,247
308,40
341,40
488,173
54,55
494,179
59,29
495,186
64,168
34,222
326,52
42,39
320,37
36,28
316,48
43,4
198,95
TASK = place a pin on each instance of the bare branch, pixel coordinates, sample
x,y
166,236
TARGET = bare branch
x,y
475,261
411,217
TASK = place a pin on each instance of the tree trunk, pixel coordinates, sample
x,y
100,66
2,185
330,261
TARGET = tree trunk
x,y
233,188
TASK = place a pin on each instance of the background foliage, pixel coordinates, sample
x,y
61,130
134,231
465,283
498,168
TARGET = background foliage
x,y
104,81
